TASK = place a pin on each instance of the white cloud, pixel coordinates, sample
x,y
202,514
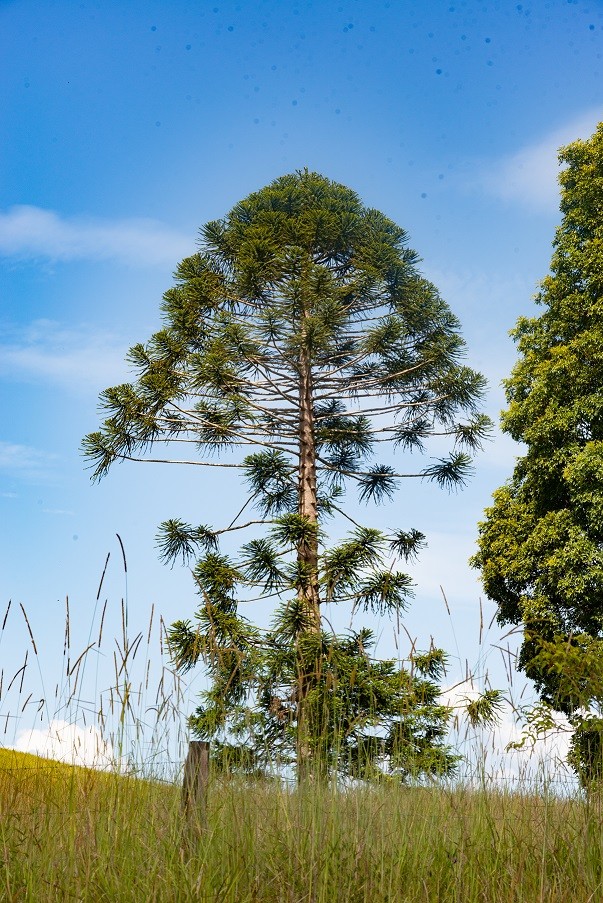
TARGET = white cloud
x,y
31,233
67,743
77,358
529,176
487,751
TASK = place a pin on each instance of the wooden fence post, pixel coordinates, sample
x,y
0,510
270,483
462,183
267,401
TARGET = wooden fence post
x,y
194,785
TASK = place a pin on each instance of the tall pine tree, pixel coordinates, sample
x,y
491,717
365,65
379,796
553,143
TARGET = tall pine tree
x,y
299,342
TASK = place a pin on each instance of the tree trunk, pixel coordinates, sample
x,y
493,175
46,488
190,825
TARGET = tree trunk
x,y
308,506
307,552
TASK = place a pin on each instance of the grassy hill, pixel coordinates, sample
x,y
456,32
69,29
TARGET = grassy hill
x,y
77,834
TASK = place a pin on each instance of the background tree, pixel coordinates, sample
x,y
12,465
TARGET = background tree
x,y
299,341
541,545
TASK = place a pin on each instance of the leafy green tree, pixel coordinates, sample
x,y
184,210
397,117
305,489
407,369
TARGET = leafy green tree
x,y
541,545
298,342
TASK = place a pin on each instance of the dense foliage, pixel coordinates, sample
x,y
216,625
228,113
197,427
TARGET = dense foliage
x,y
299,342
541,545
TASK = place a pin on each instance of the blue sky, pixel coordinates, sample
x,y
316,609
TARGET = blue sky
x,y
125,127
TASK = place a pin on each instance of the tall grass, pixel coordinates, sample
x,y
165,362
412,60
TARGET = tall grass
x,y
115,688
73,833
76,834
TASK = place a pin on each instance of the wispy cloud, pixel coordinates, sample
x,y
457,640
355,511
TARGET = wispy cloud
x,y
28,233
24,461
529,176
77,358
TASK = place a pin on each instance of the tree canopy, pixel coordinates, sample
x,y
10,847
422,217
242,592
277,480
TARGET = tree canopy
x,y
302,346
541,544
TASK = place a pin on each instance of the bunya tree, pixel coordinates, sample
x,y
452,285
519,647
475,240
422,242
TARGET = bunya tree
x,y
541,544
298,343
